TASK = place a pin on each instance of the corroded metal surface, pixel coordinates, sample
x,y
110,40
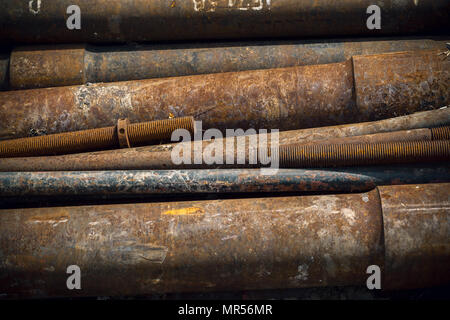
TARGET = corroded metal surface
x,y
191,246
256,99
112,183
122,183
417,235
425,119
236,244
396,83
122,135
316,156
285,98
60,65
143,20
63,65
243,155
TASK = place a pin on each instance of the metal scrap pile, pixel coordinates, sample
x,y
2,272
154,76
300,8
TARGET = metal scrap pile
x,y
136,147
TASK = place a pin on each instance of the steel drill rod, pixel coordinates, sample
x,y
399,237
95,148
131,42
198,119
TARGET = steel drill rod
x,y
364,88
120,183
155,20
63,65
236,244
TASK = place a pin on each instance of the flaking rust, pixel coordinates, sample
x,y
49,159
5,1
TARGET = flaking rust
x,y
285,98
239,244
61,65
192,246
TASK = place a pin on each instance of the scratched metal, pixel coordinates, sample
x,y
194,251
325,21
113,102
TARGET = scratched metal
x,y
122,183
240,244
417,235
39,21
61,65
390,87
284,98
112,183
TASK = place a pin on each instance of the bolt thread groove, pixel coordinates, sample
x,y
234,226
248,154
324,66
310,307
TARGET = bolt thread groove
x,y
301,156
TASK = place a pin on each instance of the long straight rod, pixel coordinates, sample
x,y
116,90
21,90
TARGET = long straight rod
x,y
63,65
155,20
235,244
121,183
364,88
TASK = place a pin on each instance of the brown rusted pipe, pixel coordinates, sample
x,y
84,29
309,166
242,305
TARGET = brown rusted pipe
x,y
122,135
63,65
416,235
155,20
239,244
364,88
159,157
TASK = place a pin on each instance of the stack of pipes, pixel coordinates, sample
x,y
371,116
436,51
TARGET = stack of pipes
x,y
324,140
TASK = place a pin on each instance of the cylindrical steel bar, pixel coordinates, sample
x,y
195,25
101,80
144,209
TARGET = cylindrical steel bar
x,y
144,20
417,236
237,244
90,183
94,139
160,157
285,98
121,183
62,65
192,246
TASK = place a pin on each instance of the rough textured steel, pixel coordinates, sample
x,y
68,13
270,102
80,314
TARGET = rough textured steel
x,y
122,183
417,235
239,244
285,98
60,65
90,183
425,119
63,65
236,244
95,139
143,20
159,156
385,86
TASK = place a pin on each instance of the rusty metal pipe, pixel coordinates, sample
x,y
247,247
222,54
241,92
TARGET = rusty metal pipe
x,y
159,157
364,88
122,135
239,244
122,183
417,235
63,65
143,20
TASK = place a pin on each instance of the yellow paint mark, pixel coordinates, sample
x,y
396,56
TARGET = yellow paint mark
x,y
193,211
58,216
171,116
